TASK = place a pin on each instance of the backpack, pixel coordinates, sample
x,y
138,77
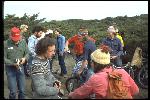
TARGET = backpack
x,y
116,88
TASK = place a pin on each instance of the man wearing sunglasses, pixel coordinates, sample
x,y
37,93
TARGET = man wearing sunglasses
x,y
77,41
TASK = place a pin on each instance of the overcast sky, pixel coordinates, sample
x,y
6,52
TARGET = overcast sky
x,y
63,10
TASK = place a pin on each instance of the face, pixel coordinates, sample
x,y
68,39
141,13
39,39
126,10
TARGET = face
x,y
50,52
25,29
16,42
110,34
39,34
56,32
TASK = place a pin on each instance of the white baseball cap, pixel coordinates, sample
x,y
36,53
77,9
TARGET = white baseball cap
x,y
49,32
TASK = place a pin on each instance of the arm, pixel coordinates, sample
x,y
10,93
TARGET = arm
x,y
62,44
85,58
96,84
40,83
31,46
26,52
82,92
70,40
120,49
7,61
133,87
41,87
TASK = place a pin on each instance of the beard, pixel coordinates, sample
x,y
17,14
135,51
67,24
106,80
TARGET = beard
x,y
37,35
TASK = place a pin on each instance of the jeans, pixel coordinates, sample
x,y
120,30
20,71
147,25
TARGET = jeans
x,y
62,64
15,76
29,63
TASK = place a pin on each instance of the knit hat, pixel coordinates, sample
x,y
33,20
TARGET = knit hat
x,y
111,29
15,34
101,56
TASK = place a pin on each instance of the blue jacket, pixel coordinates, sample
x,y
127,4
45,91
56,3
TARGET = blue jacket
x,y
115,45
60,43
32,41
89,47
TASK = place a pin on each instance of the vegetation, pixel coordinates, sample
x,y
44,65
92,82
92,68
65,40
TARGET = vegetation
x,y
135,28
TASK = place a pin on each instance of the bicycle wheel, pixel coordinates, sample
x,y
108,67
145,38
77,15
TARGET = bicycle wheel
x,y
72,83
143,77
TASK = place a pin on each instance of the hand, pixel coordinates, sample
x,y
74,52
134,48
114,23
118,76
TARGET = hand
x,y
69,96
113,57
23,60
61,53
57,84
66,49
79,72
16,65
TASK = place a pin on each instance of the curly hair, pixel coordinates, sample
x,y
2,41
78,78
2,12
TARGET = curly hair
x,y
43,44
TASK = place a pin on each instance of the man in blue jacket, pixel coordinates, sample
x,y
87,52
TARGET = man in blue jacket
x,y
116,47
60,51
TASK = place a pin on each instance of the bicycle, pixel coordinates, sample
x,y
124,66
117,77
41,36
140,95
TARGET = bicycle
x,y
142,77
127,67
76,80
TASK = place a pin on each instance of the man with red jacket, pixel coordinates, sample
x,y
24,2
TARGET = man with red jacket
x,y
77,41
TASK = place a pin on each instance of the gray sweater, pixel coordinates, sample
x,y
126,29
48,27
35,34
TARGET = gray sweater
x,y
42,78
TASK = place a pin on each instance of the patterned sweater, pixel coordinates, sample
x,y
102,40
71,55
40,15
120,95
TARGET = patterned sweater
x,y
42,78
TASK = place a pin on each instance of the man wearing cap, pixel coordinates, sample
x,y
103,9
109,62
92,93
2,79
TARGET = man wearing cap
x,y
77,41
98,82
115,44
15,55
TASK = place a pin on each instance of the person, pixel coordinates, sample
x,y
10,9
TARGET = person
x,y
49,34
116,47
98,82
24,29
89,47
60,51
32,41
78,44
45,85
118,35
15,55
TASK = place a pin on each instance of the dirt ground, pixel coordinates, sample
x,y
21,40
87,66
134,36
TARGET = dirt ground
x,y
69,64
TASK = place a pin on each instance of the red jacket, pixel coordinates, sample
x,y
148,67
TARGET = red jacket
x,y
78,48
98,84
